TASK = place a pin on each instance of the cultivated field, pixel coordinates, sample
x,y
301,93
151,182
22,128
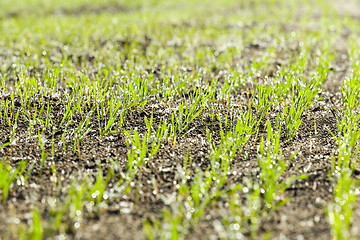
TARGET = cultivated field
x,y
179,119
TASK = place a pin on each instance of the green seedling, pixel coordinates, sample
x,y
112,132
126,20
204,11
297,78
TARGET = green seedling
x,y
36,228
264,99
96,194
246,214
347,118
301,98
66,215
135,92
138,154
186,114
233,141
189,206
64,144
44,154
75,202
81,131
171,226
8,175
114,108
341,209
184,65
13,129
32,123
48,123
190,109
271,168
263,194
